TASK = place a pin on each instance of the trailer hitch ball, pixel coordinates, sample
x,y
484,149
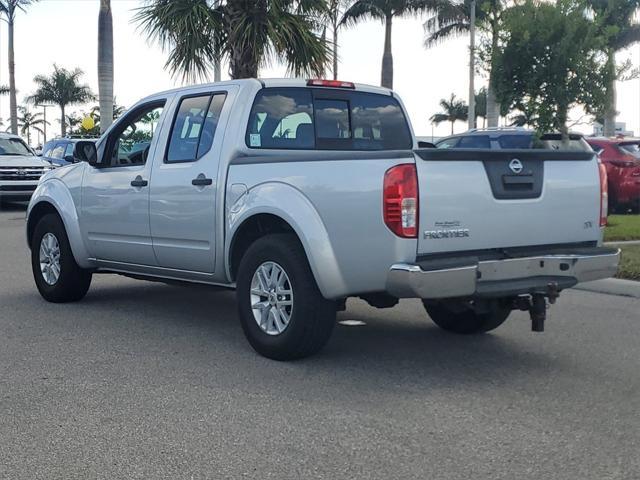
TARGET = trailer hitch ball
x,y
538,312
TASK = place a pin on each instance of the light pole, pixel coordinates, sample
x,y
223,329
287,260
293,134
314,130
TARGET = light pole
x,y
44,106
472,65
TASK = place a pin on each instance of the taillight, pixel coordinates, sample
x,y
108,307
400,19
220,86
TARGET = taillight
x,y
604,195
400,200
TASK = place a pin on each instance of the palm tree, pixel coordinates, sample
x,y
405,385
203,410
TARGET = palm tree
x,y
336,10
386,10
452,20
62,88
9,8
453,110
249,34
28,121
105,63
618,30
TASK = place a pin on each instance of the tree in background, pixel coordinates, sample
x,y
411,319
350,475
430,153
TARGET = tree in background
x,y
619,30
249,33
62,88
550,62
386,11
335,12
453,19
481,105
453,110
105,63
28,121
9,8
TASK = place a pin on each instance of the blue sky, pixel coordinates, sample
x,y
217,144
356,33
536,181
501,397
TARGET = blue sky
x,y
65,32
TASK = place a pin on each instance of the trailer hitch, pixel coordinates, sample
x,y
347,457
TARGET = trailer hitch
x,y
536,305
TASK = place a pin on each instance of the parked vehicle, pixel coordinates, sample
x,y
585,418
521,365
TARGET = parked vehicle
x,y
622,160
20,169
60,150
302,194
501,138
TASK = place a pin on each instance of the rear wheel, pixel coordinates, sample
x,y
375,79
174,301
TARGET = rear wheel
x,y
464,319
282,312
57,275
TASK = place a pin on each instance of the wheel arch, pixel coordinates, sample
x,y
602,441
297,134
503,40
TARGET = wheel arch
x,y
261,214
54,197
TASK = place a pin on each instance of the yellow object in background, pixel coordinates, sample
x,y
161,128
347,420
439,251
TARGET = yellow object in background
x,y
88,123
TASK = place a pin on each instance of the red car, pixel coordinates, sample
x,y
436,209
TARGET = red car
x,y
622,159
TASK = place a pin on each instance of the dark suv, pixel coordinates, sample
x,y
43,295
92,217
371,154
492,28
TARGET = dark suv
x,y
60,151
508,138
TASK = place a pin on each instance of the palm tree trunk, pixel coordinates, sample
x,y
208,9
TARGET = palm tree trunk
x,y
63,121
610,107
452,122
387,57
335,45
493,108
105,65
13,103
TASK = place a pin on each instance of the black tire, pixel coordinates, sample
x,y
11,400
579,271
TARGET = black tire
x,y
73,282
312,317
467,321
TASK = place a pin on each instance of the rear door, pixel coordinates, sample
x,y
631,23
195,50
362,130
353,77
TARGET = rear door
x,y
184,182
486,199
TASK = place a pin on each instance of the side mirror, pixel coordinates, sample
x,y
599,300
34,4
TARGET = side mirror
x,y
85,151
69,158
422,144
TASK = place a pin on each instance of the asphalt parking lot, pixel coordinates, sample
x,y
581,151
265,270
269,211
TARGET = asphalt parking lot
x,y
144,380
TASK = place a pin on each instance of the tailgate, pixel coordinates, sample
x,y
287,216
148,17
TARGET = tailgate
x,y
486,199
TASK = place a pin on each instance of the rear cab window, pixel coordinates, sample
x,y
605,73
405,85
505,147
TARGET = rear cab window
x,y
324,119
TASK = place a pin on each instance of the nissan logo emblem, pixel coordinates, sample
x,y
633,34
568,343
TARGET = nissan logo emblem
x,y
516,166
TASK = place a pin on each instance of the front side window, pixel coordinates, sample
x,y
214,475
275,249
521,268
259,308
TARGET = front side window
x,y
58,152
194,127
131,140
291,118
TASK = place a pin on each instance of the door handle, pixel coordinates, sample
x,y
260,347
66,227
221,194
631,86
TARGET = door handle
x,y
201,181
139,182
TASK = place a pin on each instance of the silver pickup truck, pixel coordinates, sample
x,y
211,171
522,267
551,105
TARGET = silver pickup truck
x,y
300,194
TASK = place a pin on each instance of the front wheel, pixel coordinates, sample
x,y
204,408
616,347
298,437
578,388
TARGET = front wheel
x,y
282,312
57,275
464,319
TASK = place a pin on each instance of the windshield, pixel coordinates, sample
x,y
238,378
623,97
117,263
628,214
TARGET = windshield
x,y
14,146
632,148
553,141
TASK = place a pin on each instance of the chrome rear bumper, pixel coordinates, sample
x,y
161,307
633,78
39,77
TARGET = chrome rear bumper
x,y
495,278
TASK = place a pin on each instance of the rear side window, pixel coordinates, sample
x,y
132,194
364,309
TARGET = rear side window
x,y
475,141
194,127
291,118
515,141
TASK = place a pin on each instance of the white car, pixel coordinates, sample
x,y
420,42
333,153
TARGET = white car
x,y
20,168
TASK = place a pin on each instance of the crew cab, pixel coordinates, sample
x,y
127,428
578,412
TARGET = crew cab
x,y
300,194
20,169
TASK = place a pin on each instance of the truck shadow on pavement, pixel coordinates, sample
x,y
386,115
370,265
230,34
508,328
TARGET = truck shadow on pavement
x,y
398,345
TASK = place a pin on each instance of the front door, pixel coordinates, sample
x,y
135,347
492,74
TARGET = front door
x,y
115,194
185,183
